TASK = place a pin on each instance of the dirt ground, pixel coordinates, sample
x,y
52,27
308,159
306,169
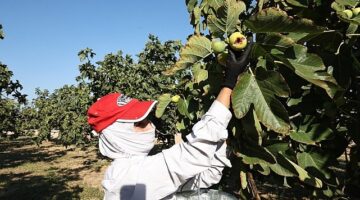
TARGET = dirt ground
x,y
49,171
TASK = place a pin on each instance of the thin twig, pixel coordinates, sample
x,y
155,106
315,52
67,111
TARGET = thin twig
x,y
254,191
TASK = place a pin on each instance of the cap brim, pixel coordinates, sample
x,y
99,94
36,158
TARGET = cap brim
x,y
138,112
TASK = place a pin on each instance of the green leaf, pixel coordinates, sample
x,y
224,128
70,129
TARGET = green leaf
x,y
355,20
314,160
180,125
260,51
263,169
211,4
183,108
301,137
278,146
260,4
196,49
277,40
310,132
216,4
337,7
163,102
310,67
304,175
329,40
282,167
226,18
260,91
352,3
199,73
190,4
276,20
299,3
297,36
196,19
252,128
255,154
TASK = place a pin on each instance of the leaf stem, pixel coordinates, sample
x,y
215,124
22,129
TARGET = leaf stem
x,y
296,115
252,73
353,34
279,62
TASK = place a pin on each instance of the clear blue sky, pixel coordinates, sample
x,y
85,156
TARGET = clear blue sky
x,y
43,37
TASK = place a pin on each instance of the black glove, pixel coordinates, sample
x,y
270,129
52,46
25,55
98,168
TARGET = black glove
x,y
236,63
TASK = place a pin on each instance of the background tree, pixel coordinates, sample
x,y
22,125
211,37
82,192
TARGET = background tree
x,y
140,79
65,109
10,99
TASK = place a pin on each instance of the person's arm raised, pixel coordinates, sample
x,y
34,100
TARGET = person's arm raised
x,y
224,96
236,63
166,171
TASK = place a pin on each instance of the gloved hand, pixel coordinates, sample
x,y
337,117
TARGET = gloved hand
x,y
236,63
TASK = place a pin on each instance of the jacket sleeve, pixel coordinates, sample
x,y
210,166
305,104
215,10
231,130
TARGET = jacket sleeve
x,y
185,160
212,175
165,172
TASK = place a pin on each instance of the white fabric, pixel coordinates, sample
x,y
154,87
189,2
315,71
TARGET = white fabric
x,y
158,177
120,140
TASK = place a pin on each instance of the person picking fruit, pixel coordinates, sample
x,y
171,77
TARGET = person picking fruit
x,y
127,136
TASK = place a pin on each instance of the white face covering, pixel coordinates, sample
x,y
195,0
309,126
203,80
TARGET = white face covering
x,y
119,140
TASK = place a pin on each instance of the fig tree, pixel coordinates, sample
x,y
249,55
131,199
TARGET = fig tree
x,y
237,41
218,46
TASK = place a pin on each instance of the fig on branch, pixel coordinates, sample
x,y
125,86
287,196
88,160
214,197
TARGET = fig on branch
x,y
218,46
237,41
356,11
175,98
348,13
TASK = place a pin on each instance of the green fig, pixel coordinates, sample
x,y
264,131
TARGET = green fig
x,y
218,46
348,13
175,98
356,11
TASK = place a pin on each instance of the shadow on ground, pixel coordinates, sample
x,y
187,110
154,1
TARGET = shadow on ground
x,y
31,172
52,186
17,152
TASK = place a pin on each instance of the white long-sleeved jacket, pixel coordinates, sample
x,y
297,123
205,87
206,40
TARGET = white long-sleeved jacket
x,y
184,166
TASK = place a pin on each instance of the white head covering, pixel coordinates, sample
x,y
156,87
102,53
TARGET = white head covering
x,y
119,140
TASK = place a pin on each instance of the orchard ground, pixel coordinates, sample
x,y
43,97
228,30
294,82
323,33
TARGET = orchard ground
x,y
52,171
49,171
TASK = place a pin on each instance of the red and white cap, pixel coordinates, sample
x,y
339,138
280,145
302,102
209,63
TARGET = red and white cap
x,y
117,107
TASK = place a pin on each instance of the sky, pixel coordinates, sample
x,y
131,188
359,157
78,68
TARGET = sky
x,y
43,37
